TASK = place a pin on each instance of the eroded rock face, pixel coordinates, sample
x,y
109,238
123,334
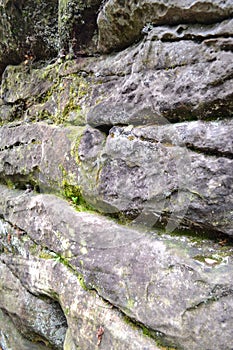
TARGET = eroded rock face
x,y
28,31
42,273
11,338
180,80
78,26
39,155
143,135
140,272
34,317
180,171
40,30
122,22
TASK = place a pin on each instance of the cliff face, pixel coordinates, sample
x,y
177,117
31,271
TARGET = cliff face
x,y
116,191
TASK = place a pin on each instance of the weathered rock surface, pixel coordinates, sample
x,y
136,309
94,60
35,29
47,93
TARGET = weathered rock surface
x,y
122,22
140,273
78,26
38,30
59,93
182,172
28,31
11,338
162,79
34,317
141,85
40,155
143,135
43,270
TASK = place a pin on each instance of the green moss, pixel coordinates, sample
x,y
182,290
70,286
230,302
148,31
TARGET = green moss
x,y
33,248
130,303
61,259
53,295
81,205
39,251
154,335
216,258
82,282
130,322
45,255
42,115
73,193
10,184
66,311
195,234
75,135
68,92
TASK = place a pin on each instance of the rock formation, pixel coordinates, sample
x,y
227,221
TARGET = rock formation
x,y
116,191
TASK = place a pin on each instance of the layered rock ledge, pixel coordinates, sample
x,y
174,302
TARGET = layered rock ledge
x,y
140,273
116,187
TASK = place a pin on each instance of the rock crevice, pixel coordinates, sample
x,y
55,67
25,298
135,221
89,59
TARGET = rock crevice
x,y
116,186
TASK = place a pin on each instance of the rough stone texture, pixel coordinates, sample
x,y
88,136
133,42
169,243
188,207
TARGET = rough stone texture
x,y
36,30
51,93
140,272
143,136
34,317
141,85
42,273
165,79
39,155
122,22
123,172
181,171
11,338
78,26
28,31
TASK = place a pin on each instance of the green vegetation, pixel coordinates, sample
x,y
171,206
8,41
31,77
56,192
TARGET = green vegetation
x,y
79,203
156,336
72,192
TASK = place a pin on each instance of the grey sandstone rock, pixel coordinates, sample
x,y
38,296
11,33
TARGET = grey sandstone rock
x,y
142,85
121,23
179,173
192,31
42,271
11,338
175,286
34,317
59,93
142,135
40,155
156,80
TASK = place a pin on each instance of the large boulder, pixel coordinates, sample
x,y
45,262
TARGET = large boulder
x,y
181,293
172,78
49,292
180,173
121,23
